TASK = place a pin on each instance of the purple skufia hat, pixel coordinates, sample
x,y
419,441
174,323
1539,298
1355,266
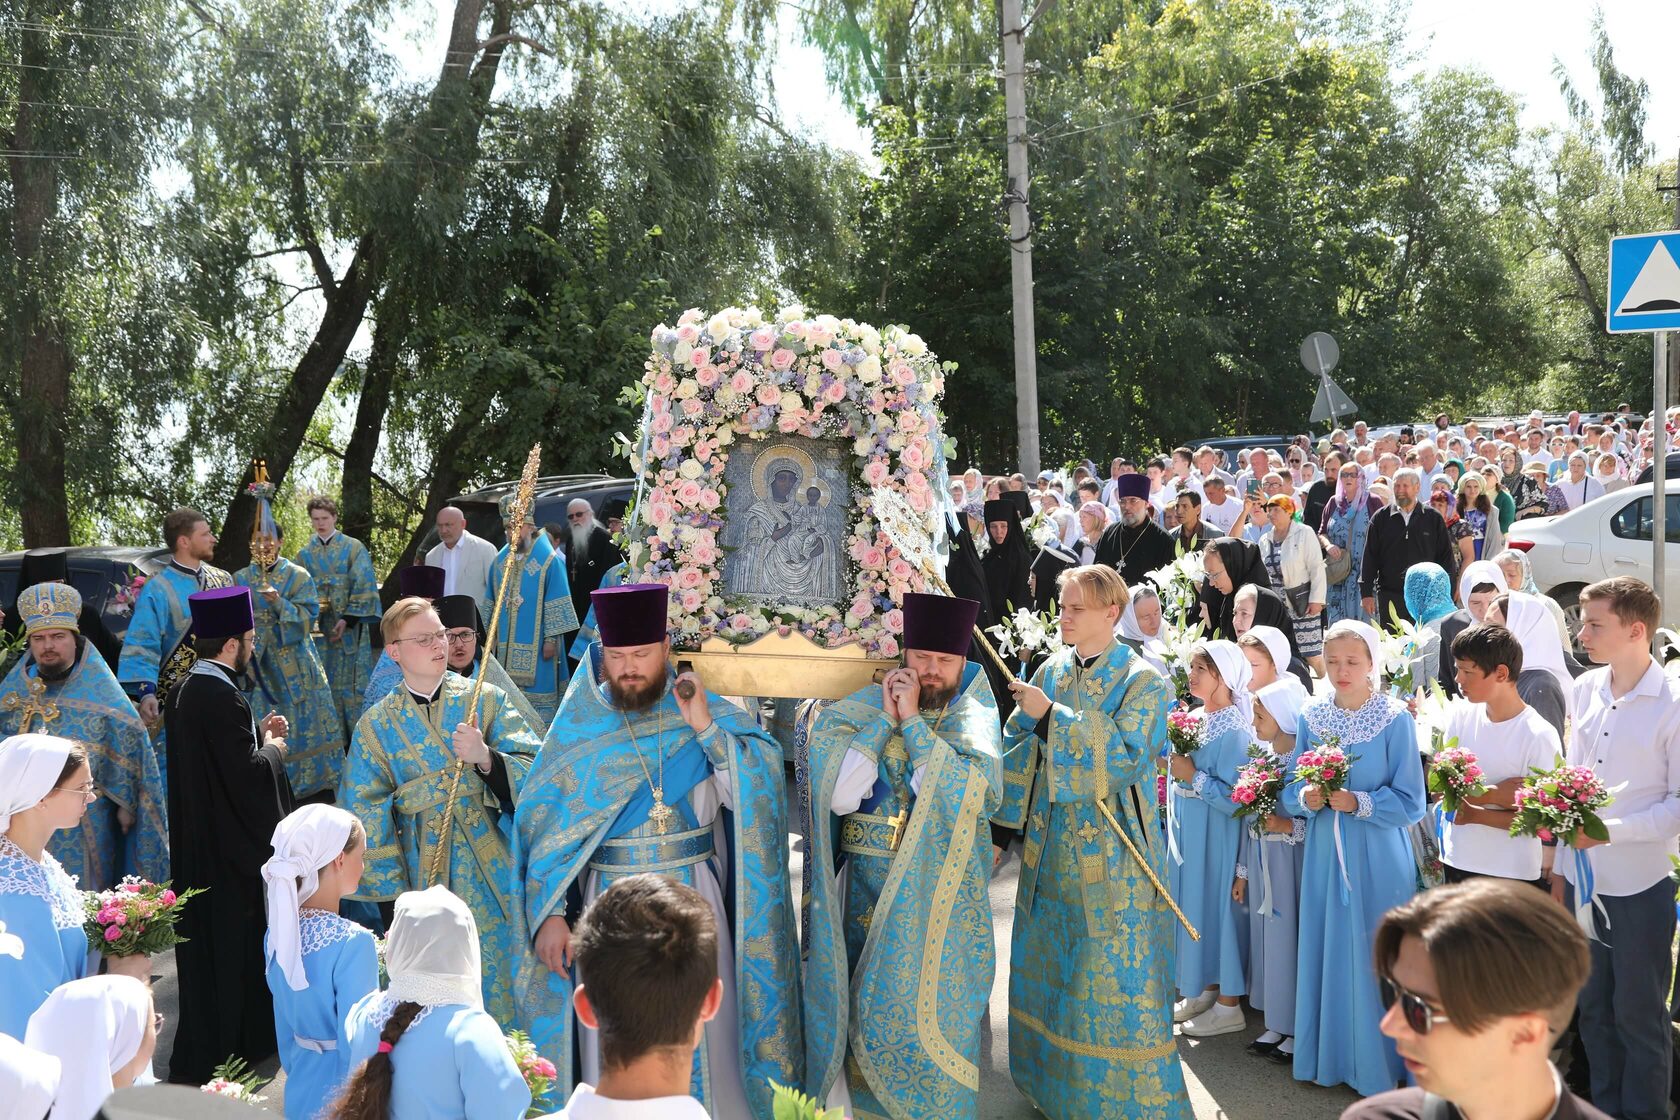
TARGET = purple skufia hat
x,y
939,623
422,580
224,612
1131,486
632,614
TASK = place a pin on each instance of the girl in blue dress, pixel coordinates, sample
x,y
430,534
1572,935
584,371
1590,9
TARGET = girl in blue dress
x,y
425,1049
1211,973
45,785
1269,881
320,964
1358,864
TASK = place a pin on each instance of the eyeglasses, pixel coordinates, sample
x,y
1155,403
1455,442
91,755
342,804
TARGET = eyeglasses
x,y
578,516
424,641
461,637
1419,1016
87,789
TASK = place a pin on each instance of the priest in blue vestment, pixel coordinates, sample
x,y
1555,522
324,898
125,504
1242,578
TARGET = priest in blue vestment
x,y
417,581
349,606
424,756
62,686
633,777
538,614
1091,955
898,950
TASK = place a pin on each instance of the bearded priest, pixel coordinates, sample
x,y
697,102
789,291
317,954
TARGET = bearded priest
x,y
911,771
635,776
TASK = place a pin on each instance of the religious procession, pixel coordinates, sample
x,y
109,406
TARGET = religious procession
x,y
526,600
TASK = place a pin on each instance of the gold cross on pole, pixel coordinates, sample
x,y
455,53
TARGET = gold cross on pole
x,y
36,704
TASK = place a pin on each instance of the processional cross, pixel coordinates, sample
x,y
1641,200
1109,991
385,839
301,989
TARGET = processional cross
x,y
36,704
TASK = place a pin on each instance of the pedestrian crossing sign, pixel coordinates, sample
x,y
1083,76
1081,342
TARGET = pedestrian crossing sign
x,y
1644,283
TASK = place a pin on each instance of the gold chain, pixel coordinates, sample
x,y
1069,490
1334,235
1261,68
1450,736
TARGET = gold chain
x,y
660,814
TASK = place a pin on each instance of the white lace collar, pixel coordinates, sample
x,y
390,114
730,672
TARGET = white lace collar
x,y
1226,719
319,928
46,880
1325,719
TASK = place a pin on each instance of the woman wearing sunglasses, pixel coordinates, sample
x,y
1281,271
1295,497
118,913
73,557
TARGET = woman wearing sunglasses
x,y
1477,981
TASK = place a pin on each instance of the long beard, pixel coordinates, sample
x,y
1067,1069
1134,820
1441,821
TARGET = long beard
x,y
936,700
636,699
580,537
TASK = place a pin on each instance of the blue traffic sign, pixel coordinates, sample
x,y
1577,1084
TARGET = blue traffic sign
x,y
1645,283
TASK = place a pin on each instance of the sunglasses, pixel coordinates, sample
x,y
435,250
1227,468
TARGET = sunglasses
x,y
1419,1016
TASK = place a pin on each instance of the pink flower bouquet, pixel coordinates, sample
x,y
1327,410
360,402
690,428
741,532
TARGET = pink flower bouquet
x,y
1455,774
1561,804
538,1071
1259,785
1182,728
1325,766
134,918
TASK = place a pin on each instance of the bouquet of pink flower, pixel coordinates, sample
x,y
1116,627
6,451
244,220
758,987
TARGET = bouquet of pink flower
x,y
538,1071
1182,728
127,593
1325,766
1455,774
236,1080
134,918
1259,785
1561,804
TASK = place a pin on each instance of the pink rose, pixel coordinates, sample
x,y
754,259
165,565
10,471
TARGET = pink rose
x,y
693,407
741,382
874,558
914,456
740,622
544,1068
877,401
688,493
782,359
1543,833
688,332
167,898
762,339
887,647
710,499
862,607
691,600
875,472
900,569
832,361
836,391
689,577
661,422
703,553
660,446
893,620
112,933
790,422
918,500
707,376
682,436
769,395
700,356
131,888
664,384
119,917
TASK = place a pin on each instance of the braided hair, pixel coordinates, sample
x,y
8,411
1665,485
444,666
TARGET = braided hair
x,y
368,1095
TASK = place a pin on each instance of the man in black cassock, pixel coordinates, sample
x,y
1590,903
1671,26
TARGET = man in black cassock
x,y
227,792
589,551
1135,545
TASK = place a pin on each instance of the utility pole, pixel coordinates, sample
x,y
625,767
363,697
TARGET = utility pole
x,y
1020,234
1664,363
1673,347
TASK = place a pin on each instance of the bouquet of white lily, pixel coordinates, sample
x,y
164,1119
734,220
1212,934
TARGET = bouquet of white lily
x,y
1179,585
1024,634
1400,641
1177,643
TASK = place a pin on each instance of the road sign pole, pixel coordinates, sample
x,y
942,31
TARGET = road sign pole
x,y
1659,448
1020,236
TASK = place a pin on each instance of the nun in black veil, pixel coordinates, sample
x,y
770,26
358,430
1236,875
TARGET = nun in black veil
x,y
1007,561
1229,563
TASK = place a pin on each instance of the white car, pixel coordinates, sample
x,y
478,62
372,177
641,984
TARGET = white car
x,y
1608,536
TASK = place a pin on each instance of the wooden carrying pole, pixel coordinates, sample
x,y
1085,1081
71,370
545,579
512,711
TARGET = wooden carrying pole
x,y
520,514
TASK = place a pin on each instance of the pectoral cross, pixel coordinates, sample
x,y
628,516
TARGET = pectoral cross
x,y
37,704
898,821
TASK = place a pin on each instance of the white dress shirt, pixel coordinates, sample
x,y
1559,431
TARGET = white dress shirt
x,y
466,567
1632,739
586,1104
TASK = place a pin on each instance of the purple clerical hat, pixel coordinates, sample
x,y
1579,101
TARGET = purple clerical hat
x,y
939,623
423,580
224,612
632,614
1131,486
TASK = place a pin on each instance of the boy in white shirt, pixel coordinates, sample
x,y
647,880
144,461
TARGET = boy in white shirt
x,y
646,956
1509,739
1627,728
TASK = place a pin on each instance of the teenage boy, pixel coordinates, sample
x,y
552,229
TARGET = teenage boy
x,y
1509,739
1627,728
646,954
1479,979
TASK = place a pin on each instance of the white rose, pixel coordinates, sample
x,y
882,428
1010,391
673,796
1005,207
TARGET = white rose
x,y
913,345
691,468
869,370
863,446
715,604
813,383
895,442
725,436
718,326
870,338
790,401
790,312
828,323
687,387
682,353
752,318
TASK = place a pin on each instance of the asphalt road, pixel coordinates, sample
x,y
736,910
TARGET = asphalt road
x,y
1223,1080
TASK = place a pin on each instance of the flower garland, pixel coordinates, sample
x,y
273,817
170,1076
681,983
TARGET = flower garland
x,y
714,380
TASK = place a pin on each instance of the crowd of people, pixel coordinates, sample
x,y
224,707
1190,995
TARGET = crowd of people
x,y
558,831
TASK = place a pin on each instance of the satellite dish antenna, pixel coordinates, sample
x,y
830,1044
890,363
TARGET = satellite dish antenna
x,y
1319,354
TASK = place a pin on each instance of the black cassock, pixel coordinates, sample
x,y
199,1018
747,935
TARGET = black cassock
x,y
584,573
227,792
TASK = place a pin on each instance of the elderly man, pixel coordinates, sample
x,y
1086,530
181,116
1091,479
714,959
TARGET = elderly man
x,y
62,686
1136,544
464,558
589,551
1219,510
1399,536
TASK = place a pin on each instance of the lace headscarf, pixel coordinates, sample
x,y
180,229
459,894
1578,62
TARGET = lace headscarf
x,y
94,1027
431,954
1428,593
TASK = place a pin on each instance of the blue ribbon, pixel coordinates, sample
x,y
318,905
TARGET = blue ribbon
x,y
1586,895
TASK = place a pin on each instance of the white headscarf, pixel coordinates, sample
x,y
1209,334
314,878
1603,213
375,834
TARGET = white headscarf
x,y
304,842
1128,627
1479,572
1234,670
1366,633
28,1080
1277,647
29,769
1284,700
431,954
1527,618
94,1027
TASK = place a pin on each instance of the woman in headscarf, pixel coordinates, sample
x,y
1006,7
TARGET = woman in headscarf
x,y
1141,625
1519,576
1545,683
425,1046
1527,495
1256,607
1204,835
319,963
1428,593
1007,560
1047,567
1342,530
103,1031
45,785
29,1080
1228,564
